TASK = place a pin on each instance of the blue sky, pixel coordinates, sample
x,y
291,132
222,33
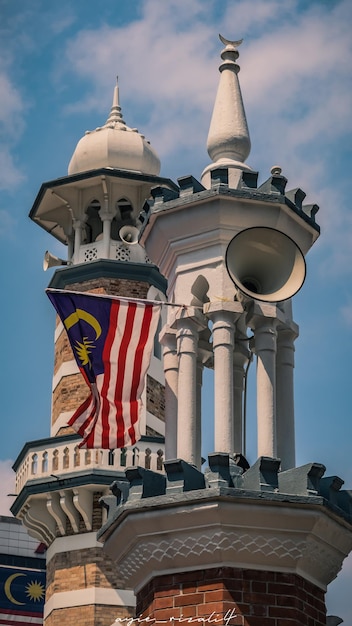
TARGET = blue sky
x,y
58,63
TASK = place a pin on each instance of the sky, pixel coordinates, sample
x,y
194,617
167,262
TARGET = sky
x,y
58,67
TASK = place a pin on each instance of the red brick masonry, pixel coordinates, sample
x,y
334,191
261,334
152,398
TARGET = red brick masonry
x,y
232,597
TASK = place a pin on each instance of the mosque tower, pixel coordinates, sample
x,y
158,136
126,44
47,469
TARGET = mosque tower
x,y
237,544
95,211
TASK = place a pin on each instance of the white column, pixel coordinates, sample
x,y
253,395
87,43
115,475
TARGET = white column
x,y
199,378
187,343
264,322
239,360
77,227
170,362
70,247
285,397
224,315
106,218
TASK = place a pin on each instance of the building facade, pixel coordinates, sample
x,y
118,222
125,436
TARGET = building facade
x,y
235,544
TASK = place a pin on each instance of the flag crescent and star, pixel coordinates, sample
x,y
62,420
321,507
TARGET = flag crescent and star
x,y
22,594
112,341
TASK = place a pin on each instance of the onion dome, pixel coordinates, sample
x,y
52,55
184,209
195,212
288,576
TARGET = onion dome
x,y
114,145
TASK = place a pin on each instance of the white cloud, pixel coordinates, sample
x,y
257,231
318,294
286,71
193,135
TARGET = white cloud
x,y
7,485
11,128
346,313
295,77
297,70
10,175
7,224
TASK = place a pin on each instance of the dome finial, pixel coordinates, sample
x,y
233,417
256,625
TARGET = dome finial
x,y
115,118
229,42
228,139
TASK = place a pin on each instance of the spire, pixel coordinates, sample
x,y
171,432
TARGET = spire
x,y
115,119
228,139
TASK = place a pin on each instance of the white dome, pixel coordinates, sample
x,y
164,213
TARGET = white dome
x,y
114,145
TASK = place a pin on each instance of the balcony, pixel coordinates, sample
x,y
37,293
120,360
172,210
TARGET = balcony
x,y
59,456
58,485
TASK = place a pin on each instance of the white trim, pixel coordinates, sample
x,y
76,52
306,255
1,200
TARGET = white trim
x,y
89,596
58,330
61,421
72,542
67,368
155,423
156,370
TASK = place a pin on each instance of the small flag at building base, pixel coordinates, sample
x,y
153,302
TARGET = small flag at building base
x,y
112,341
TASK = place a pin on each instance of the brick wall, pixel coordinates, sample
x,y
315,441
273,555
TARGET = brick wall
x,y
79,569
249,597
155,398
113,287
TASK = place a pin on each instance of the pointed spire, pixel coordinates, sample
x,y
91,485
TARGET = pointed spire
x,y
115,119
228,139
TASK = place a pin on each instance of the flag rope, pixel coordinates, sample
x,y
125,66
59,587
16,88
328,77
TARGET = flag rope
x,y
124,298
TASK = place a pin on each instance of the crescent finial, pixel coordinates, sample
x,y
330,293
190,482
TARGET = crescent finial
x,y
228,42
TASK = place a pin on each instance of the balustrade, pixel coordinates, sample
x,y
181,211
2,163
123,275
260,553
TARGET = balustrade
x,y
66,457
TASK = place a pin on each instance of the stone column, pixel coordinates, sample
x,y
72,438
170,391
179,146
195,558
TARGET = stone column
x,y
77,227
285,396
263,319
187,345
199,381
240,358
170,361
106,218
224,315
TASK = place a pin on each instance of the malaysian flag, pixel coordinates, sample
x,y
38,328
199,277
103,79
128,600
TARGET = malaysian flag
x,y
22,593
112,341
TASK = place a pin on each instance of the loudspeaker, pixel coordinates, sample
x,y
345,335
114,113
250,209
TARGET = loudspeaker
x,y
265,264
129,235
51,261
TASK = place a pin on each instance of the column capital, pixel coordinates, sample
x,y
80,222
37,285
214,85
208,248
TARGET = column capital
x,y
264,315
188,317
232,307
289,330
167,337
105,214
78,222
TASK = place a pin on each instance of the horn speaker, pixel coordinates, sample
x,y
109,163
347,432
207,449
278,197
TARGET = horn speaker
x,y
265,264
129,235
51,261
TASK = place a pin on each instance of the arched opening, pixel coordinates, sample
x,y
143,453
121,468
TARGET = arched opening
x,y
93,225
123,217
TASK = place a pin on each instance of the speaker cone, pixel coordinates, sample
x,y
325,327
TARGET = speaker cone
x,y
265,264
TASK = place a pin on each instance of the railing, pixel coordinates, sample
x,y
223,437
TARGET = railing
x,y
118,251
64,457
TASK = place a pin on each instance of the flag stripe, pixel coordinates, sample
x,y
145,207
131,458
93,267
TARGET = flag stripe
x,y
134,405
9,620
122,369
112,341
114,315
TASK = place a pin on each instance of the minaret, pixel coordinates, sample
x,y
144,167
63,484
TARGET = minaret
x,y
94,211
238,544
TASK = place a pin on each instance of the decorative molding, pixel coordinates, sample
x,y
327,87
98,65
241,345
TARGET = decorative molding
x,y
89,596
257,533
